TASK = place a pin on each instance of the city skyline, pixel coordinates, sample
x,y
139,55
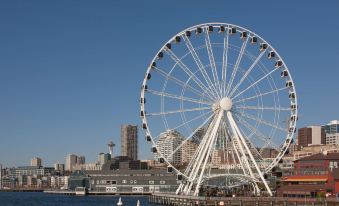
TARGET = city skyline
x,y
71,78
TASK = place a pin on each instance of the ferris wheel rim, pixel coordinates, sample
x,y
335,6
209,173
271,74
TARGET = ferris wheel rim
x,y
215,24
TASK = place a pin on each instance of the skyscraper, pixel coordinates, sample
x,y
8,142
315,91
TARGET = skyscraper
x,y
312,135
71,161
129,141
36,161
332,132
167,145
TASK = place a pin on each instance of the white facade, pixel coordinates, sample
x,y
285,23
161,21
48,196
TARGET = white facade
x,y
167,144
71,161
316,135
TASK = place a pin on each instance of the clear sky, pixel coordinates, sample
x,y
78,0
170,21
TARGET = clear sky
x,y
71,71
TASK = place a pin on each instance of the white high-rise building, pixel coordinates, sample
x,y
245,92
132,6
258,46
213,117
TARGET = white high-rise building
x,y
167,143
332,132
36,161
71,161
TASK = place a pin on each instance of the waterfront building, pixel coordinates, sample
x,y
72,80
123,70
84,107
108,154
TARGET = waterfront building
x,y
167,145
129,141
59,167
332,132
60,182
312,135
313,176
103,158
36,162
30,171
124,181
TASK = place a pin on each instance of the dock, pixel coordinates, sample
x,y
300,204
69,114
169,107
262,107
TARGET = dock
x,y
180,200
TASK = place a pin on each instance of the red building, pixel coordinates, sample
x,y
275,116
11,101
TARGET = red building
x,y
313,176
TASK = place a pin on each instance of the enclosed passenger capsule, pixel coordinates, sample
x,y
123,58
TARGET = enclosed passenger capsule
x,y
243,35
177,39
179,177
149,76
232,30
198,30
221,29
263,46
188,33
271,54
254,40
148,138
154,150
144,126
291,95
169,169
289,84
168,46
161,160
160,55
210,28
284,73
278,64
153,65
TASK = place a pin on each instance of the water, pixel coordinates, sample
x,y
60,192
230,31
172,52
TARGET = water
x,y
42,199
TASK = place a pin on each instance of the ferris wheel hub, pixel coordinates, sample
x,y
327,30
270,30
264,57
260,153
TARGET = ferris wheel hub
x,y
226,103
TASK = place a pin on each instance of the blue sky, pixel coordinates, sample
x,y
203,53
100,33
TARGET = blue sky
x,y
71,71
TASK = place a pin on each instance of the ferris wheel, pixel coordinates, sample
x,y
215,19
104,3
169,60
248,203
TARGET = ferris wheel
x,y
218,100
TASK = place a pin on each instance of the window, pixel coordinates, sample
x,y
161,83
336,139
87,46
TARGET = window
x,y
151,182
162,182
124,181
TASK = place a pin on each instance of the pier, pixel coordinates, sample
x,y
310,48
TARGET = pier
x,y
179,200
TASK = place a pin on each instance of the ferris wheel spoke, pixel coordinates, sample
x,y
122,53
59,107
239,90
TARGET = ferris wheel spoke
x,y
247,73
251,145
178,81
173,96
258,134
264,108
193,133
212,61
178,111
235,69
265,122
198,62
259,95
255,83
224,63
211,93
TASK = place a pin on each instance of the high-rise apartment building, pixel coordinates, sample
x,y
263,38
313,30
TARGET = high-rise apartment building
x,y
167,145
0,176
59,167
188,150
71,161
312,135
81,160
129,141
332,132
36,162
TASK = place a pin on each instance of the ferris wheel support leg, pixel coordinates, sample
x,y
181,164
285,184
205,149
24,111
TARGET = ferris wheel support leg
x,y
201,151
211,145
204,155
234,125
242,156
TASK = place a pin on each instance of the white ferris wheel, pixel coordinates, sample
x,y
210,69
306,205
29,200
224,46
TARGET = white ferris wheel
x,y
218,100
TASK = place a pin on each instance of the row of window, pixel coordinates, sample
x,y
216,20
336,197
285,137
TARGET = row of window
x,y
114,182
